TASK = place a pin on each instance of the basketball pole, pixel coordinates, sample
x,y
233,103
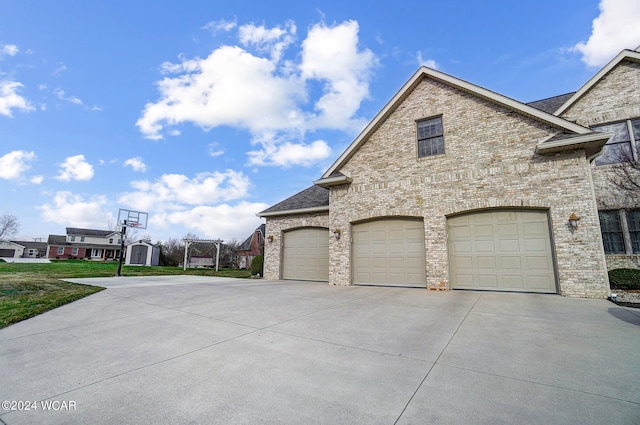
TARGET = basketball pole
x,y
124,232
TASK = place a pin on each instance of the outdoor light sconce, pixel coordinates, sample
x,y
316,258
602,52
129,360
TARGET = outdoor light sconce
x,y
573,221
270,238
336,233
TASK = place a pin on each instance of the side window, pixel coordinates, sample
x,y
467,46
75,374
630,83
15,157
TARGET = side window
x,y
612,237
430,137
60,250
633,222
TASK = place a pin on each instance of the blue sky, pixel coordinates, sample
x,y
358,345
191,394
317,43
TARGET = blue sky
x,y
205,113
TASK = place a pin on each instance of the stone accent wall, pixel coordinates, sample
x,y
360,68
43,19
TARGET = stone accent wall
x,y
490,162
276,226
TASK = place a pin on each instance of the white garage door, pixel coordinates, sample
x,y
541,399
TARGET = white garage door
x,y
501,250
306,254
389,252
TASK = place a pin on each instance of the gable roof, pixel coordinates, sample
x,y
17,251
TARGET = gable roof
x,y
89,232
312,199
633,55
424,73
32,244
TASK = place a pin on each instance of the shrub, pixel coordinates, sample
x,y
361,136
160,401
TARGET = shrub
x,y
257,265
628,279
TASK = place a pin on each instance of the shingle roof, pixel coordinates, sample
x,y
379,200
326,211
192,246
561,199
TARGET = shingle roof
x,y
89,232
312,197
57,240
32,244
551,104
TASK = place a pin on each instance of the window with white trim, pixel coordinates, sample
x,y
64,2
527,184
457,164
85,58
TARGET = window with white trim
x,y
620,231
624,145
74,251
430,137
60,250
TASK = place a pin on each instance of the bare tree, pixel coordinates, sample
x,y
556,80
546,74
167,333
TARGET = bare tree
x,y
173,252
625,173
9,226
229,253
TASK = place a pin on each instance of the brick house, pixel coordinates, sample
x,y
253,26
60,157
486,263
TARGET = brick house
x,y
85,243
453,186
251,247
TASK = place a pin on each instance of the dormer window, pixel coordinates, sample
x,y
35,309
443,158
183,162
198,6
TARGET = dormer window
x,y
430,137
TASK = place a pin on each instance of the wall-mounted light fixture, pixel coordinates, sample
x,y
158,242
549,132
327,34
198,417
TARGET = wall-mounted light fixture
x,y
337,233
270,238
573,221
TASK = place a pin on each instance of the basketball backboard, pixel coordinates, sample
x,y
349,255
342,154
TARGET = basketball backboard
x,y
132,219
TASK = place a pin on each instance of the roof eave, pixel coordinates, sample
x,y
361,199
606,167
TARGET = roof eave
x,y
296,211
591,143
333,181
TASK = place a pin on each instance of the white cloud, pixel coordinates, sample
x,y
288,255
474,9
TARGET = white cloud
x,y
37,179
221,221
174,191
429,63
13,164
9,49
287,154
75,168
215,150
331,54
10,99
255,88
136,164
268,40
73,99
72,210
615,29
221,25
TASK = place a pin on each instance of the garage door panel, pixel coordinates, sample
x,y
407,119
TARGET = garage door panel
x,y
512,282
306,254
395,253
485,246
516,255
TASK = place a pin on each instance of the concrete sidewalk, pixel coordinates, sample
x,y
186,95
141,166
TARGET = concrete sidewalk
x,y
202,350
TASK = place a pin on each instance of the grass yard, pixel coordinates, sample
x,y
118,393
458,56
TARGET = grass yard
x,y
27,290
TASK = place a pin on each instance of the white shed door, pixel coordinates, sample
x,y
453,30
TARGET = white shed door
x,y
389,252
306,255
502,251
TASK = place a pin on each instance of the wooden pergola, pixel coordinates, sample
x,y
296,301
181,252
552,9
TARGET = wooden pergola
x,y
189,242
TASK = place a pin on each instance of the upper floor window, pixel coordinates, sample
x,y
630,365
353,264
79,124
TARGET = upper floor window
x,y
624,145
430,137
110,240
72,238
81,238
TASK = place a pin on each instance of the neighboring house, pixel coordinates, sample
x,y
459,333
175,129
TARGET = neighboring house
x,y
142,253
453,186
33,249
85,243
251,247
9,249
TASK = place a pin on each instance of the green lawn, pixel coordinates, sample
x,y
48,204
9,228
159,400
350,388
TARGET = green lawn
x,y
27,290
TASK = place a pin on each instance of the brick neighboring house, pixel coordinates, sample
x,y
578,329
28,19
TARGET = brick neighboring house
x,y
453,186
251,247
85,243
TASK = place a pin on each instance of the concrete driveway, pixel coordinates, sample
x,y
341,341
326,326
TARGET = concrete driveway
x,y
202,350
